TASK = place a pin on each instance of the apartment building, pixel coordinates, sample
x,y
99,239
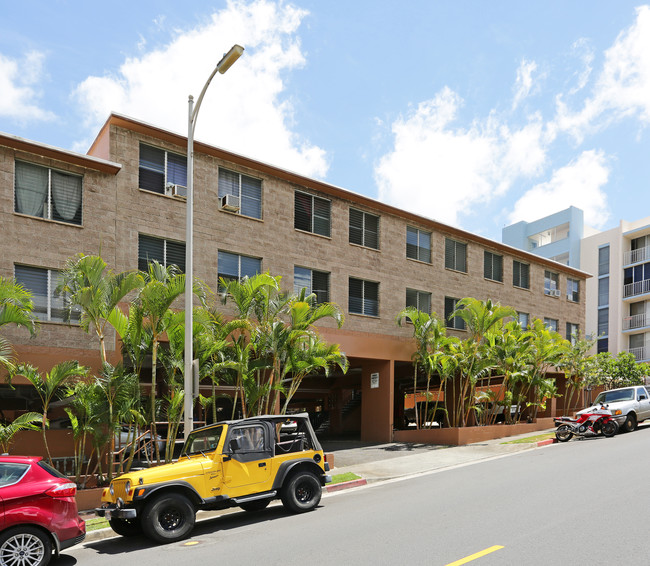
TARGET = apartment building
x,y
618,296
555,237
126,201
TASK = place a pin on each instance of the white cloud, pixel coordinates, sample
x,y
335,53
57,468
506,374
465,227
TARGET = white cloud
x,y
243,110
442,172
580,184
585,53
19,82
524,81
622,88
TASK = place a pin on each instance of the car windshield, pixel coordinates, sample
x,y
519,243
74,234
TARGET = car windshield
x,y
616,395
202,441
11,473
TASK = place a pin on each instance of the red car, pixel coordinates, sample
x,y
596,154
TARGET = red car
x,y
38,512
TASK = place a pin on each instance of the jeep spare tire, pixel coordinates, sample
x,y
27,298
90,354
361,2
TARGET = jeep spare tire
x,y
301,493
168,518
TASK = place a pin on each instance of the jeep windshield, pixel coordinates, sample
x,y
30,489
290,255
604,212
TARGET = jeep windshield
x,y
616,395
202,441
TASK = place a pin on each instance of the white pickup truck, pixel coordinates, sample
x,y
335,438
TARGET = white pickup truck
x,y
629,405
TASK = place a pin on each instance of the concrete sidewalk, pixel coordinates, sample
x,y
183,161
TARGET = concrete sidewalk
x,y
381,462
389,461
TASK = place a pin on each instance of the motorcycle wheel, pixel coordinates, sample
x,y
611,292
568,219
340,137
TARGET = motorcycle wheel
x,y
563,433
610,428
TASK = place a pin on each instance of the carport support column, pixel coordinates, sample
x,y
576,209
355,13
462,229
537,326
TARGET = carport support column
x,y
377,393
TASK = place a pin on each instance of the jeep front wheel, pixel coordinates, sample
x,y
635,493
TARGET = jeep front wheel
x,y
301,493
168,518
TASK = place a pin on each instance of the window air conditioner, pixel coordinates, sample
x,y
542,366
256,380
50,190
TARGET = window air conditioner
x,y
230,202
555,293
175,190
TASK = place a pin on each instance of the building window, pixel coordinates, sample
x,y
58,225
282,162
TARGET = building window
x,y
234,266
636,280
602,345
165,252
603,260
573,290
418,244
524,319
572,333
49,305
312,214
162,172
316,282
455,255
364,229
551,324
363,297
493,266
247,192
603,322
419,300
551,284
47,193
603,291
520,274
455,322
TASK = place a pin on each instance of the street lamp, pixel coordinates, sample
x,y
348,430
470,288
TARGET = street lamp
x,y
222,66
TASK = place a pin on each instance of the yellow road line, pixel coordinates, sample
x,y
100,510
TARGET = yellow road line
x,y
475,556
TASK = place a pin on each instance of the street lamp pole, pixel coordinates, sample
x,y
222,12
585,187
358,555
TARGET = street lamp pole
x,y
222,66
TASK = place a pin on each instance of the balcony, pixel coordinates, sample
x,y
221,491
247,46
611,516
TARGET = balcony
x,y
637,288
634,321
640,354
635,256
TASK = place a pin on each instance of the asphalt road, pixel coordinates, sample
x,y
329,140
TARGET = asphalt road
x,y
579,503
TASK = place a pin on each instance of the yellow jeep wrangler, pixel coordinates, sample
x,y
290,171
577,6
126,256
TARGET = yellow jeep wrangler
x,y
246,463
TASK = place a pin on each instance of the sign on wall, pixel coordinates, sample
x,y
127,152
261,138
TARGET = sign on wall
x,y
374,380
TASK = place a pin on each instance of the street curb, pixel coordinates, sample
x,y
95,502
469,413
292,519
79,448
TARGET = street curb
x,y
345,485
547,442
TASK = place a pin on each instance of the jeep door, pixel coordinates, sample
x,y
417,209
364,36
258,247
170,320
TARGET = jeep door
x,y
247,459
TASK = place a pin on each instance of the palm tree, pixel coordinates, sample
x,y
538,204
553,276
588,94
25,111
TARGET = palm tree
x,y
16,305
511,352
163,285
480,317
575,363
118,388
308,354
15,308
85,409
97,292
547,350
296,340
49,385
26,421
429,334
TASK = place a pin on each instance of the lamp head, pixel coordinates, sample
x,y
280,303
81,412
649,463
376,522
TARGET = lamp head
x,y
229,58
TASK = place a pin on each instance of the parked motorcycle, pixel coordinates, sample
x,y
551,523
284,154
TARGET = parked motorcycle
x,y
597,421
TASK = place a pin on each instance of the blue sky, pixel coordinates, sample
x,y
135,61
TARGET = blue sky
x,y
474,113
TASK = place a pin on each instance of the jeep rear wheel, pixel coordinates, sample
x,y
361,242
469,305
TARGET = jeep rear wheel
x,y
301,493
168,518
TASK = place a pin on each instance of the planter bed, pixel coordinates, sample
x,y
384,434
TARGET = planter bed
x,y
471,434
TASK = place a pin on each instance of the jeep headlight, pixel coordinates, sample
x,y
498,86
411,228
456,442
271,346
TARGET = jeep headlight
x,y
111,489
127,487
